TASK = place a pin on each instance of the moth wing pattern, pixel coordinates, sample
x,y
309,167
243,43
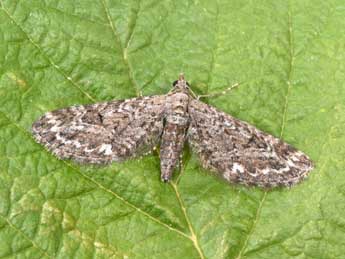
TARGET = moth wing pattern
x,y
240,153
103,132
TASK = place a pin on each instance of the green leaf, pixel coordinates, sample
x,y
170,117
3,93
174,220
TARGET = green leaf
x,y
289,55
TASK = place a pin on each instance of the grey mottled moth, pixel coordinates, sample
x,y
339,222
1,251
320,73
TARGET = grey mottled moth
x,y
122,129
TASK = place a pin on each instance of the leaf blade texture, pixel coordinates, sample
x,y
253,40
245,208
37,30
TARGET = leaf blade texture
x,y
58,53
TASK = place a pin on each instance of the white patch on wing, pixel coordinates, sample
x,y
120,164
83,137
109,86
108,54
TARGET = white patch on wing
x,y
290,163
285,169
106,148
76,144
52,120
55,128
88,150
265,171
58,137
239,167
78,127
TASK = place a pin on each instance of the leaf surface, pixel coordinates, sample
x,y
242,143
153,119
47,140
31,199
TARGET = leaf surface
x,y
287,55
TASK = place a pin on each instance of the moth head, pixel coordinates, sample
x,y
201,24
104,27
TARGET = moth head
x,y
181,83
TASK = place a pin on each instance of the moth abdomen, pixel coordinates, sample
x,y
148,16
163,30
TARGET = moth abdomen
x,y
172,143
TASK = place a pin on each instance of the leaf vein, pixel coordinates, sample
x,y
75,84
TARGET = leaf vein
x,y
256,219
51,62
25,236
123,51
291,63
215,50
193,236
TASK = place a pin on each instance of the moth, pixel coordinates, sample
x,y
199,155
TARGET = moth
x,y
118,130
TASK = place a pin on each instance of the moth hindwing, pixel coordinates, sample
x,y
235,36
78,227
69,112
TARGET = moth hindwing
x,y
119,130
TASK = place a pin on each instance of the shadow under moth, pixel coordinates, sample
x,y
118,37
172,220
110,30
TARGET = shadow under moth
x,y
118,130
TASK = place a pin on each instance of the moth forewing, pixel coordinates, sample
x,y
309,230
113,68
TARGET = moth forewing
x,y
241,153
103,132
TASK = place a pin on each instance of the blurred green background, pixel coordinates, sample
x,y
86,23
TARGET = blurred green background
x,y
289,55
